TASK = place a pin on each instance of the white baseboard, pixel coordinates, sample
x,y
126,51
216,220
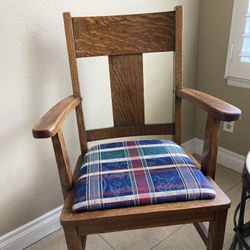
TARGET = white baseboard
x,y
31,232
48,223
225,157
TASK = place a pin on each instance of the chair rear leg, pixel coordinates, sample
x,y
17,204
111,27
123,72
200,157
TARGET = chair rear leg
x,y
216,231
73,239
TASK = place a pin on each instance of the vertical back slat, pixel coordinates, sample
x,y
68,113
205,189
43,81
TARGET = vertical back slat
x,y
75,79
178,71
126,76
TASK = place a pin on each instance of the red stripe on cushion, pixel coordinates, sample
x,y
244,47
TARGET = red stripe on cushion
x,y
140,177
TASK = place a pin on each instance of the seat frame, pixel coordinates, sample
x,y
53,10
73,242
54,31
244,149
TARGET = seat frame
x,y
129,121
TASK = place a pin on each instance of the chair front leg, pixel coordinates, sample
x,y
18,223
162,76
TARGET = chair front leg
x,y
216,231
83,241
73,239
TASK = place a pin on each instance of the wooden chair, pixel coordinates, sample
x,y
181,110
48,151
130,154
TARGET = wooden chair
x,y
123,39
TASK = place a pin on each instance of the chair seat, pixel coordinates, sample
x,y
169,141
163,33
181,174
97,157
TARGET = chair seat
x,y
141,172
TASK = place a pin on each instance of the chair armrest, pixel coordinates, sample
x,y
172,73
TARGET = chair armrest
x,y
214,106
52,121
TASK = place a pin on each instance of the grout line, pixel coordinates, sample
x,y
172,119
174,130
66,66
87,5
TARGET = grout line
x,y
236,184
230,233
157,244
43,239
105,241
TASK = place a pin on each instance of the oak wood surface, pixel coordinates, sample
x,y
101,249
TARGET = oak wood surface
x,y
210,148
216,231
141,221
125,131
214,106
75,79
52,121
77,168
178,73
177,119
126,79
73,240
71,54
178,46
63,164
126,34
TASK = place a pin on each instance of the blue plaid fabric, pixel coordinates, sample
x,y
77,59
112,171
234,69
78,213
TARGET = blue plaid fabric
x,y
142,172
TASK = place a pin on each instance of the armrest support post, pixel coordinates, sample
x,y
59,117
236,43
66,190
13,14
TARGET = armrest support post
x,y
62,161
217,110
210,148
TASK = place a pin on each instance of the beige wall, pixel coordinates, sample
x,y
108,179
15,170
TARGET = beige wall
x,y
215,20
34,76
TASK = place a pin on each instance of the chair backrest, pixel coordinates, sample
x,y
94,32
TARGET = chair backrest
x,y
123,39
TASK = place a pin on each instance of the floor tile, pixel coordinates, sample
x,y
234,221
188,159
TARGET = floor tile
x,y
95,242
187,238
226,178
142,239
56,241
235,195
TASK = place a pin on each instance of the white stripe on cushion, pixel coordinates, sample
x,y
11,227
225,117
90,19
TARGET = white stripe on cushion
x,y
132,197
130,147
133,158
118,171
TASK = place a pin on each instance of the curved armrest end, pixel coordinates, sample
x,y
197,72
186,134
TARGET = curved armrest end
x,y
214,106
52,121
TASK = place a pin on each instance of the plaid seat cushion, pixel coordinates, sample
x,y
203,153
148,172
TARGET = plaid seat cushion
x,y
141,172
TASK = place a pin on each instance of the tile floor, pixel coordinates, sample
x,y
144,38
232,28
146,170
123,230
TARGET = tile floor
x,y
172,238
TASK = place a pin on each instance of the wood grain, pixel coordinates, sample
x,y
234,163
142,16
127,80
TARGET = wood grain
x,y
71,54
126,77
141,222
77,168
73,240
75,79
178,73
177,119
127,34
214,106
178,46
125,131
52,121
210,148
62,161
216,231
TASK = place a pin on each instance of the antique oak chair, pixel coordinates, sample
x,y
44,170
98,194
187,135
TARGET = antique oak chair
x,y
123,39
